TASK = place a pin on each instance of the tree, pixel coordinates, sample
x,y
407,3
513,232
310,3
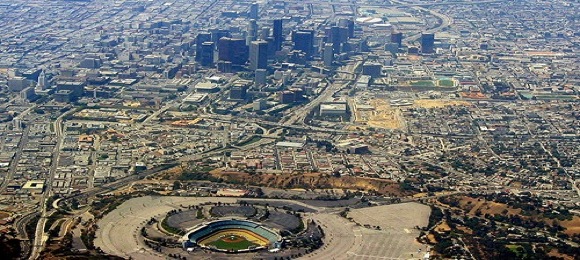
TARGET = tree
x,y
74,204
176,185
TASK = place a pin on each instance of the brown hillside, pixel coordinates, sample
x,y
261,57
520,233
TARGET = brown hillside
x,y
314,180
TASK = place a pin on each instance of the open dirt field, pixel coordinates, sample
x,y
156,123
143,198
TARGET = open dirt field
x,y
383,116
438,103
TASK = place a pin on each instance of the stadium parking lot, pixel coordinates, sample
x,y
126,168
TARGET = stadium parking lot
x,y
396,239
118,232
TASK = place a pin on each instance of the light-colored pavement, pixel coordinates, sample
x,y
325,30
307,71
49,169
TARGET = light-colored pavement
x,y
341,236
118,232
394,240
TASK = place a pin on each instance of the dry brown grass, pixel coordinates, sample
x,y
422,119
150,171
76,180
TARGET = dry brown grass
x,y
555,253
572,226
473,205
314,180
431,239
465,229
493,208
443,227
4,214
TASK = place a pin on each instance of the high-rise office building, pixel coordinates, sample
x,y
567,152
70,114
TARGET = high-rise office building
x,y
337,36
334,38
260,77
217,34
271,47
328,54
27,94
372,69
258,55
254,11
90,63
397,38
264,33
18,83
207,54
348,24
233,50
427,42
392,47
253,28
199,40
304,41
278,34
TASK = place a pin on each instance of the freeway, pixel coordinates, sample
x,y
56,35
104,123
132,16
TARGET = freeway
x,y
20,226
39,236
241,119
301,113
170,104
116,184
397,3
445,20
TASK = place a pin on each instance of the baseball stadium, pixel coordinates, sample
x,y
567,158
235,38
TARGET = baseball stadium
x,y
231,236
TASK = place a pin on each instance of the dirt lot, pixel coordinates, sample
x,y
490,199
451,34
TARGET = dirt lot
x,y
438,103
384,116
4,214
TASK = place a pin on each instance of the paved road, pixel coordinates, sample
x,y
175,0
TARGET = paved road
x,y
14,163
20,226
39,236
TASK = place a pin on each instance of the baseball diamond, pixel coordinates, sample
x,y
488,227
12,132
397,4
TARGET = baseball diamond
x,y
231,236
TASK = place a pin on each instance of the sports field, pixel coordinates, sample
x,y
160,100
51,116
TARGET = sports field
x,y
232,243
234,240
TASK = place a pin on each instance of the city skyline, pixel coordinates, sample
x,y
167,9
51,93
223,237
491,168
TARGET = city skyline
x,y
333,129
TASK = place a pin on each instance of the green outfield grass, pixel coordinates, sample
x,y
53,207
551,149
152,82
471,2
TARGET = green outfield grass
x,y
446,83
227,245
